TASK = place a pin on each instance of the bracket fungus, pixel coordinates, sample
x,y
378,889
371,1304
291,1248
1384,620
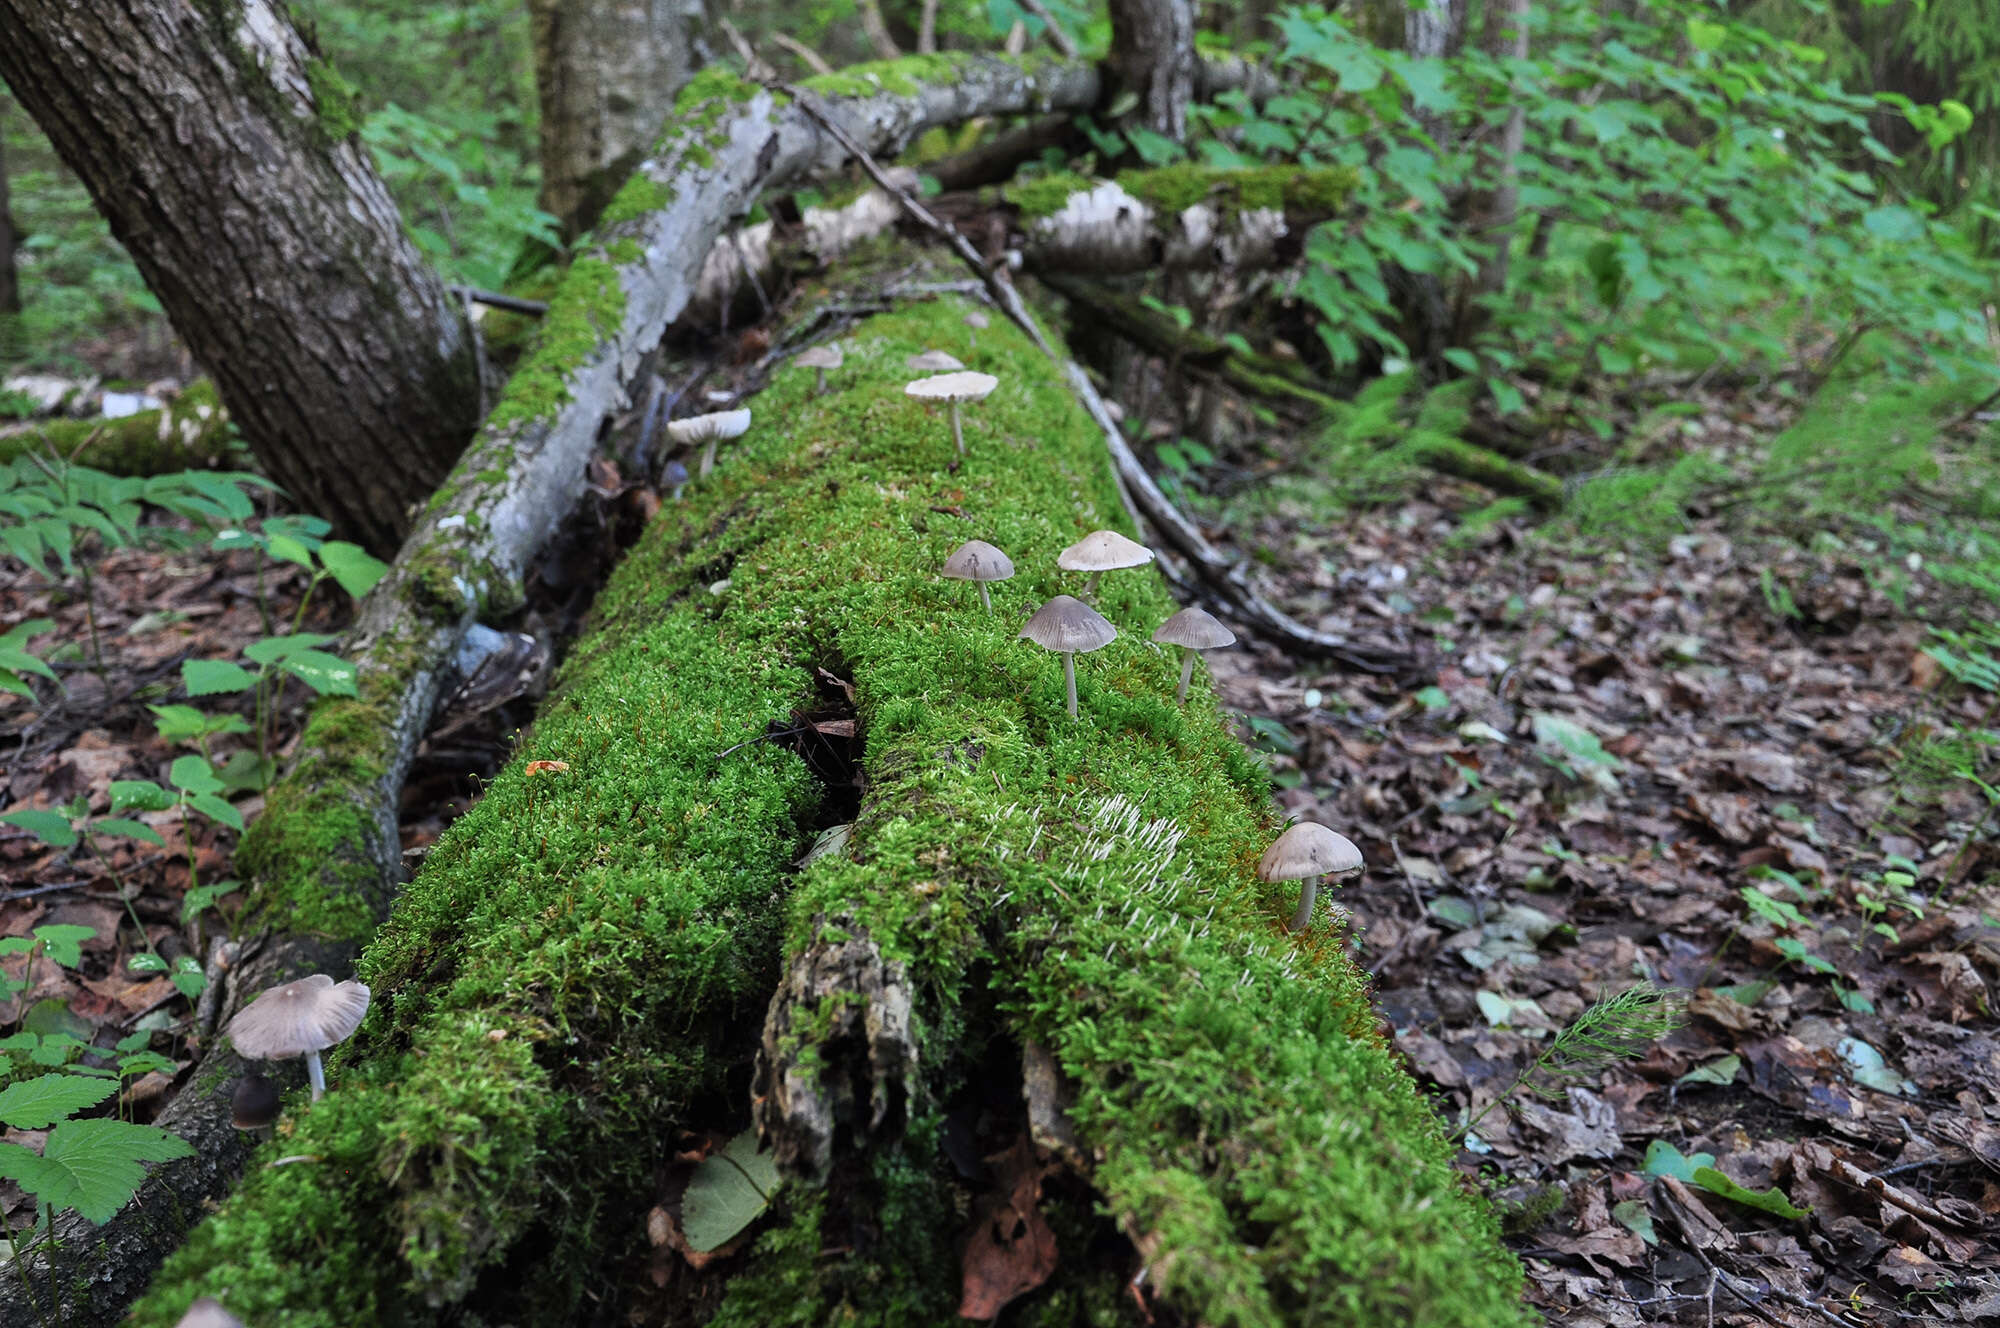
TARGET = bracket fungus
x,y
1305,853
820,358
1102,551
1070,628
709,429
300,1018
1193,630
934,361
978,562
954,388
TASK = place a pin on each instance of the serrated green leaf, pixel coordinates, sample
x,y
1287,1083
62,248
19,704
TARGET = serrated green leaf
x,y
188,979
1771,1201
217,808
16,637
36,1104
729,1191
142,794
193,774
352,566
121,828
286,549
63,941
212,677
329,675
273,649
52,828
94,1166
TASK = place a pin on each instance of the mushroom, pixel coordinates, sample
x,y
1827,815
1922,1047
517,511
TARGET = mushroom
x,y
934,361
676,475
1191,629
955,387
255,1102
1102,551
978,322
1305,853
979,562
208,1313
709,429
1069,627
300,1018
821,358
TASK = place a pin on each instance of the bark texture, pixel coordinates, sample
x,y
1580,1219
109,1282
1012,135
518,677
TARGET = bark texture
x,y
1494,212
10,285
606,74
221,152
1152,49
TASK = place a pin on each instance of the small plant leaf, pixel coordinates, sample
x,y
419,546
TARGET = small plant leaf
x,y
142,794
352,566
213,677
63,942
1771,1201
193,774
217,808
52,828
1663,1159
93,1165
121,828
36,1104
729,1191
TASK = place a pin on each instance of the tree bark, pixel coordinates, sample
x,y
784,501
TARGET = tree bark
x,y
1152,50
10,285
1493,213
606,74
221,151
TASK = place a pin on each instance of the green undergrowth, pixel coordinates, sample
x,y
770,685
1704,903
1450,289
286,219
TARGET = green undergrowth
x,y
585,957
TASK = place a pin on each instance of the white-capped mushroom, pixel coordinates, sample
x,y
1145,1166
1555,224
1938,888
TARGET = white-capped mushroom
x,y
300,1018
934,361
820,358
978,322
1192,630
1305,853
954,388
1102,551
709,429
1069,627
208,1313
978,562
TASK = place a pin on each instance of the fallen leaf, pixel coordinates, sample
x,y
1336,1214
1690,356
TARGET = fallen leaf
x,y
1011,1249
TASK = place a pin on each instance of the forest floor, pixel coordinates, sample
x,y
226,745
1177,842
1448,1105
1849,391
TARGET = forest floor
x,y
1724,764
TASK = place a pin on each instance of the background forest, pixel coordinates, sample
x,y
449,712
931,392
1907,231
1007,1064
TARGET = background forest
x,y
1604,462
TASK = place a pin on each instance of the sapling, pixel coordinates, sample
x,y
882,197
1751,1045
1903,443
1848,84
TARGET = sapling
x,y
1615,1029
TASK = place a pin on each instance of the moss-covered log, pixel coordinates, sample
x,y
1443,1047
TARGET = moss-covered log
x,y
584,963
190,432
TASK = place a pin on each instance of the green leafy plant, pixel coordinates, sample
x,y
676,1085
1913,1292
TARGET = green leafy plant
x,y
92,1165
1616,1028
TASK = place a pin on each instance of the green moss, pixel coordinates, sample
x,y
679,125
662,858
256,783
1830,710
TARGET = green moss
x,y
580,966
337,101
586,308
1287,188
640,195
900,78
190,432
1044,195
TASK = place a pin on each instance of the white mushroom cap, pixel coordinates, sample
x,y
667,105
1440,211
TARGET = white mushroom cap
x,y
934,361
1308,849
976,560
977,320
1070,626
820,357
311,1014
208,1313
1195,629
703,428
1103,551
967,386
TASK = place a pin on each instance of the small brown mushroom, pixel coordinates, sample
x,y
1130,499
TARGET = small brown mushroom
x,y
820,358
934,361
255,1102
1102,551
710,429
1305,853
978,562
1069,627
1192,630
954,388
300,1018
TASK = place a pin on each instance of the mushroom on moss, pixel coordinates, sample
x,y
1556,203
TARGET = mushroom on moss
x,y
676,478
709,429
934,361
820,358
255,1102
1069,627
300,1018
1305,853
1192,630
978,322
208,1313
1102,551
954,388
978,562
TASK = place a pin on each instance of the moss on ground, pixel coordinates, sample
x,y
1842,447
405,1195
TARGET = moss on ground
x,y
583,961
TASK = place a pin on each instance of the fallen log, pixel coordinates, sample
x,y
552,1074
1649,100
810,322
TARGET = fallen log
x,y
189,432
585,966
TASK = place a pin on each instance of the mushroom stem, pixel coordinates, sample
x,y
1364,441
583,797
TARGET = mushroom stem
x,y
1069,680
677,491
1308,891
984,598
707,459
1090,586
1187,675
957,432
819,388
316,1075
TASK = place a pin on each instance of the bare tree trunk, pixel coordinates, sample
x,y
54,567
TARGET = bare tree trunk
x,y
1493,213
607,73
1152,50
10,286
221,151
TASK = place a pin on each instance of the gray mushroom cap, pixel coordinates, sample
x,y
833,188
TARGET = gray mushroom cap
x,y
676,474
208,1313
1308,849
976,560
934,361
1103,551
977,321
1195,629
820,357
309,1015
1068,625
966,386
705,428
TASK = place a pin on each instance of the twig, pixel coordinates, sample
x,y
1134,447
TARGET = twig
x,y
1227,579
878,31
513,304
754,66
808,57
1051,28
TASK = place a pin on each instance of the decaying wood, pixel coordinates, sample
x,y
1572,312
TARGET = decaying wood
x,y
1104,231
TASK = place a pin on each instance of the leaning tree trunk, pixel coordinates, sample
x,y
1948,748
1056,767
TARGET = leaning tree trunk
x,y
1493,213
10,285
606,73
1036,936
222,152
1152,50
